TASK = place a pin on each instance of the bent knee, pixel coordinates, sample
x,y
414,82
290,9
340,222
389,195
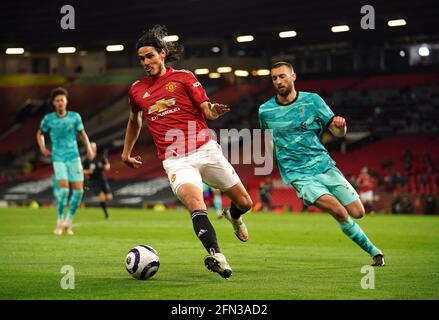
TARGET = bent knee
x,y
357,211
194,202
358,214
245,203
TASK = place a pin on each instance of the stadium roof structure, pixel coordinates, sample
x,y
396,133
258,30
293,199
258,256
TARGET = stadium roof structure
x,y
36,24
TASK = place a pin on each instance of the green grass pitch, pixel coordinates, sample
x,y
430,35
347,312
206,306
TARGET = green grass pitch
x,y
288,256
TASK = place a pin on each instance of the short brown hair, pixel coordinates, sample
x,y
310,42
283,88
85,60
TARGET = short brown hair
x,y
58,92
282,63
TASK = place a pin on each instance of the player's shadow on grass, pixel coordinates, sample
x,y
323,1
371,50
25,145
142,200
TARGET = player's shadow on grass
x,y
170,282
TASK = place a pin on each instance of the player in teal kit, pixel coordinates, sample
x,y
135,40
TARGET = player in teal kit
x,y
55,187
215,194
296,120
63,127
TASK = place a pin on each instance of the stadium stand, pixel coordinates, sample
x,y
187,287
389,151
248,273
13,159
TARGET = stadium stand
x,y
379,106
87,95
17,91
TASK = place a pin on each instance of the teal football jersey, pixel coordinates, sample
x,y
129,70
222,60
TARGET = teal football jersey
x,y
63,132
296,130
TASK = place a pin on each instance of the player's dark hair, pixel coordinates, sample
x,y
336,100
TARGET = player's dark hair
x,y
57,92
154,37
281,64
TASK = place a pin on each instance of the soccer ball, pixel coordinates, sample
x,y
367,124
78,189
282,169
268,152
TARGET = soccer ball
x,y
142,262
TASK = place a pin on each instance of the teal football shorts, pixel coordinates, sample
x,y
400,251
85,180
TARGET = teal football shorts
x,y
331,182
68,170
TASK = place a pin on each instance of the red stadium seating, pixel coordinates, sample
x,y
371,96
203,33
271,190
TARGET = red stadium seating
x,y
13,98
20,139
327,86
234,94
151,168
87,99
374,154
399,81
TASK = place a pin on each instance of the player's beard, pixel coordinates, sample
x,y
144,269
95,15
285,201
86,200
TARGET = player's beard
x,y
285,91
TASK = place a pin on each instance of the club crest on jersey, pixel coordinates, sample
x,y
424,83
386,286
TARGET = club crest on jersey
x,y
171,86
161,105
303,126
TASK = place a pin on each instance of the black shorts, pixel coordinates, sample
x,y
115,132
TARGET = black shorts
x,y
265,198
99,186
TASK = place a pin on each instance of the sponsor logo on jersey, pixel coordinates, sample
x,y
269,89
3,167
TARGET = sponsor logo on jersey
x,y
171,86
161,105
173,177
146,95
196,84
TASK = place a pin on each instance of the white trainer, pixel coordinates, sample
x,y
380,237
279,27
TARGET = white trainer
x,y
68,227
58,229
218,263
238,225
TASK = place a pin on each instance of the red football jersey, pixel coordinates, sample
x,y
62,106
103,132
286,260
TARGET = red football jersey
x,y
170,105
366,182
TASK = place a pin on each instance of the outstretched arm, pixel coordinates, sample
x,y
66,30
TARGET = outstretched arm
x,y
338,127
212,111
131,135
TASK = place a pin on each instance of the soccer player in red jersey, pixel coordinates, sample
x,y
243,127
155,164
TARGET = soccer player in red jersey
x,y
175,106
366,185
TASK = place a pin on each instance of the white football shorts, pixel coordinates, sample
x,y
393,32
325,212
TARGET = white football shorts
x,y
206,164
366,196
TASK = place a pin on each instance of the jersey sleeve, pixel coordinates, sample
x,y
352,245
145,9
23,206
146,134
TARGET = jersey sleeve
x,y
79,126
134,106
262,123
195,89
323,111
44,125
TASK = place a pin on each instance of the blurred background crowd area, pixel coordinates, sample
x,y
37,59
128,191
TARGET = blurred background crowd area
x,y
385,82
